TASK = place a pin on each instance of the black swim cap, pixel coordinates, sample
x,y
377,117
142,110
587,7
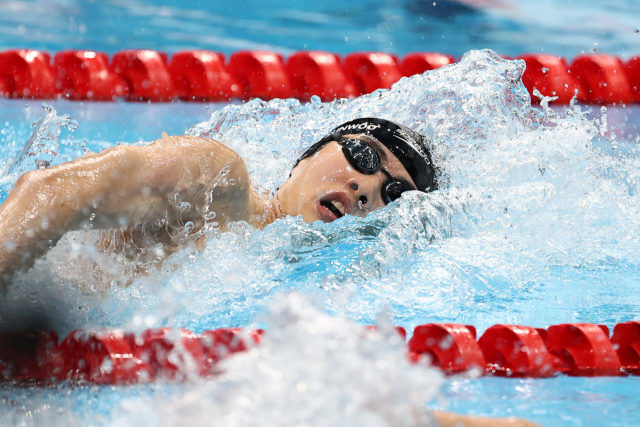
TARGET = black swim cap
x,y
408,146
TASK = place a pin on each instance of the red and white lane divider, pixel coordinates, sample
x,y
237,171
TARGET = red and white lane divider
x,y
116,357
146,75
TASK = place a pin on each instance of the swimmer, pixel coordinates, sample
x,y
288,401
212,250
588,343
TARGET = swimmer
x,y
360,166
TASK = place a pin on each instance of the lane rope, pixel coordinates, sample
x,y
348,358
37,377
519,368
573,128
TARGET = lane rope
x,y
171,354
198,75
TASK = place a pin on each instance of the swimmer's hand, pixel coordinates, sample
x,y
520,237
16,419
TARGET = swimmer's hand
x,y
447,419
172,181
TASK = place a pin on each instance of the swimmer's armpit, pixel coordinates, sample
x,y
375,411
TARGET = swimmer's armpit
x,y
448,419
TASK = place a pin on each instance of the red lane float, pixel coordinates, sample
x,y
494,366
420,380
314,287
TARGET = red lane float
x,y
202,76
516,351
550,75
260,74
626,341
26,73
584,349
371,70
85,75
221,343
633,74
146,74
603,78
102,357
115,357
171,354
451,347
320,74
30,356
418,63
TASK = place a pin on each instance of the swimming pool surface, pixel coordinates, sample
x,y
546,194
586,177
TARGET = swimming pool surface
x,y
509,27
537,222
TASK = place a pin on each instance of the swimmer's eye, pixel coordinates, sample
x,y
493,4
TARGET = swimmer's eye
x,y
365,159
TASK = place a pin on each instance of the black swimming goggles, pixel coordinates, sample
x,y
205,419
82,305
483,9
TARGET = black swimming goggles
x,y
365,159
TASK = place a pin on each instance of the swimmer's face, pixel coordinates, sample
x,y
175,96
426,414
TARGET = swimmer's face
x,y
325,186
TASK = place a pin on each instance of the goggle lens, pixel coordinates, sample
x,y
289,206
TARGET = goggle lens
x,y
367,161
363,157
392,190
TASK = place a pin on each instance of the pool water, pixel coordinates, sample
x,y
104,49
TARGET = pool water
x,y
510,27
536,223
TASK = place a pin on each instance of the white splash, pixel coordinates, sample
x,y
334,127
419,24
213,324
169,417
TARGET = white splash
x,y
311,370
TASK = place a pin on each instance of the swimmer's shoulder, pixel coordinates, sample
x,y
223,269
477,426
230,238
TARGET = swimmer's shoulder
x,y
197,155
185,144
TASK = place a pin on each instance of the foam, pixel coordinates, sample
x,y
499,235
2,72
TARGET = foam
x,y
311,369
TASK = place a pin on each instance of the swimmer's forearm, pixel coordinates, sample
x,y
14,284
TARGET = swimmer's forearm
x,y
448,419
45,204
170,180
114,188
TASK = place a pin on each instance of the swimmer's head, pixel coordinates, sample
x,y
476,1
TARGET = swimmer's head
x,y
358,167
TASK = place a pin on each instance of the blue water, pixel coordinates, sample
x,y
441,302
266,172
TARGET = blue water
x,y
537,223
507,26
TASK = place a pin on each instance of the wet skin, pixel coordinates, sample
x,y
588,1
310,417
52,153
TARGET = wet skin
x,y
327,176
173,181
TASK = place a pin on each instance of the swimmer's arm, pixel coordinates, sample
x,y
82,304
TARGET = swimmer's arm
x,y
121,186
448,419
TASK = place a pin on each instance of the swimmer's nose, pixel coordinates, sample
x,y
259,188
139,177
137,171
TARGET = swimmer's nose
x,y
362,193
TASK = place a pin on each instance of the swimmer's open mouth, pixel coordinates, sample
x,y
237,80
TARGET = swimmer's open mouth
x,y
334,206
